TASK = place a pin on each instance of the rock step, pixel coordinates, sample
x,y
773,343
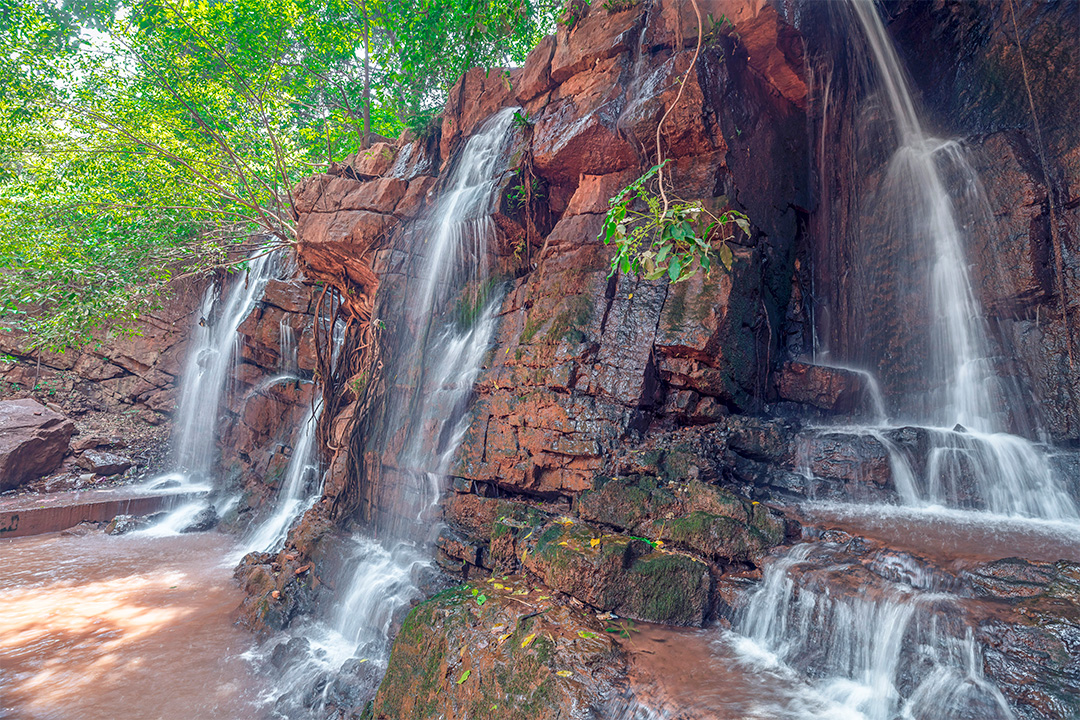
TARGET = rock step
x,y
36,515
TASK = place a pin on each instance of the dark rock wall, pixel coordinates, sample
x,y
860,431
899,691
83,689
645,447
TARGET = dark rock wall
x,y
966,71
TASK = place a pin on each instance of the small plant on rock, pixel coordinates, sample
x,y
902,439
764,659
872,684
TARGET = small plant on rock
x,y
572,12
658,234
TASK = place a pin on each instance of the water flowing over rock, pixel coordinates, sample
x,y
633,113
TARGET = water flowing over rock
x,y
466,457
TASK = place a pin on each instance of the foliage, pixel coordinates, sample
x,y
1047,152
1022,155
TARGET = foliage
x,y
572,12
654,236
655,239
142,142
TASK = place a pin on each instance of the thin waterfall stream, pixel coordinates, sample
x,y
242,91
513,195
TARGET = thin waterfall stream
x,y
435,368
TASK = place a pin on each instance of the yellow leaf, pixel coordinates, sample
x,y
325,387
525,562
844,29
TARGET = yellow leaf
x,y
563,542
543,597
564,673
498,586
503,638
630,296
659,543
528,640
565,520
594,542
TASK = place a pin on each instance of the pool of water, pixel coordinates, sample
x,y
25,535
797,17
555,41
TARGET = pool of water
x,y
103,627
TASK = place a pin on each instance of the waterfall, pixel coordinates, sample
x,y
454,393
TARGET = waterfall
x,y
959,340
923,206
432,372
210,365
877,635
299,491
882,646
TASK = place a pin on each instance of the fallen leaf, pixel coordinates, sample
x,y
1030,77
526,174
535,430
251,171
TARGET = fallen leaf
x,y
464,676
499,586
594,542
564,673
528,640
503,638
586,634
303,569
275,594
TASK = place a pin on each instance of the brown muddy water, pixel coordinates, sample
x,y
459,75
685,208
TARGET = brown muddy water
x,y
109,628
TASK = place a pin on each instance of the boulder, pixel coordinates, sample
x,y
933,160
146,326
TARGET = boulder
x,y
618,573
33,441
100,462
204,520
827,388
504,649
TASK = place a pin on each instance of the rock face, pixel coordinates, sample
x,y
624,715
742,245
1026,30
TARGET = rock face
x,y
135,374
633,447
33,441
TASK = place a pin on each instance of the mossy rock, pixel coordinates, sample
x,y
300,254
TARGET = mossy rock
x,y
501,649
621,574
703,518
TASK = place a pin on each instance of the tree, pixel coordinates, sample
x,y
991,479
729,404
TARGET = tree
x,y
142,142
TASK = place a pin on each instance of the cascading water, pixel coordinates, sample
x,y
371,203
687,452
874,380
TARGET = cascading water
x,y
447,330
885,639
210,365
895,646
299,491
972,463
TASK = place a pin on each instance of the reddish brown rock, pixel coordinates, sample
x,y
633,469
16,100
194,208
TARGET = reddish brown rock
x,y
473,99
827,388
596,37
536,79
104,463
381,196
566,144
415,198
33,441
289,295
374,161
772,47
594,192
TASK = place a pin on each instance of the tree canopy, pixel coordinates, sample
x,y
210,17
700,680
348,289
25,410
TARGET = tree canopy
x,y
143,140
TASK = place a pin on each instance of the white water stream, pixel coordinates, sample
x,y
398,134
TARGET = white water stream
x,y
435,370
891,646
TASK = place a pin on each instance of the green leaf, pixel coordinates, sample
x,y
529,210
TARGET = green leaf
x,y
743,223
662,253
673,269
464,676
